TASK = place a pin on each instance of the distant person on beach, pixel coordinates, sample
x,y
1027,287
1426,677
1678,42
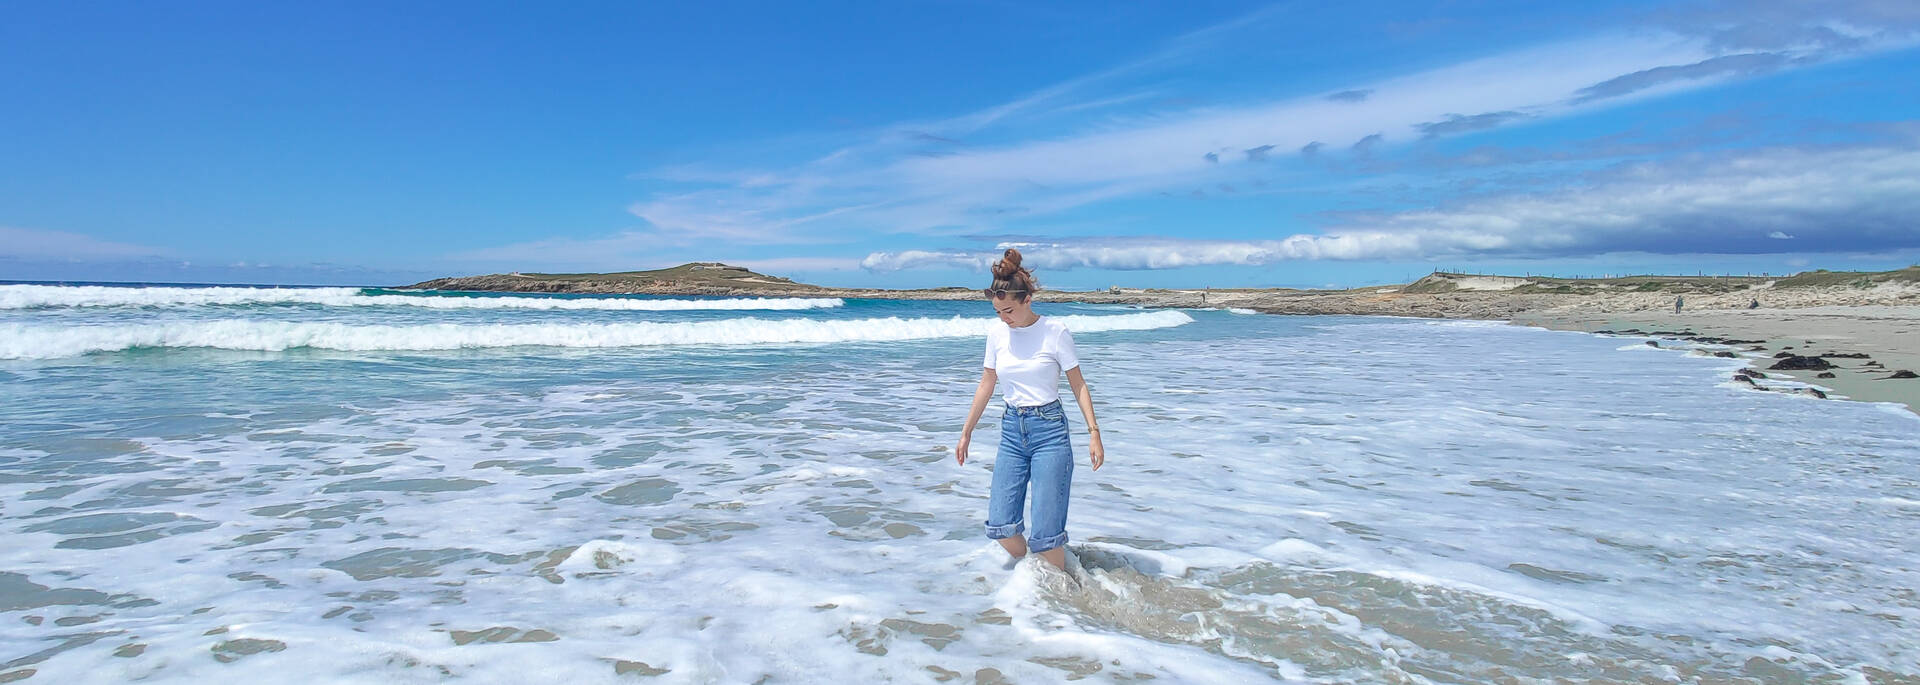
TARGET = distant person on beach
x,y
1677,301
1755,304
1025,354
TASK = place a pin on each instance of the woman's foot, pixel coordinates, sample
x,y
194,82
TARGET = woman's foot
x,y
1016,546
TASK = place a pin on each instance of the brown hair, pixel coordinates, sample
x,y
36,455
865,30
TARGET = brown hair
x,y
1009,275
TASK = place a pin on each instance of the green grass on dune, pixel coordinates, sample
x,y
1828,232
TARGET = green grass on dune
x,y
1857,279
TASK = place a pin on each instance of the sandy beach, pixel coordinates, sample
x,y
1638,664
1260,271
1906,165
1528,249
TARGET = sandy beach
x,y
1885,334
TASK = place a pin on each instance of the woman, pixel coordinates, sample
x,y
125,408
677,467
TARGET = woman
x,y
1025,354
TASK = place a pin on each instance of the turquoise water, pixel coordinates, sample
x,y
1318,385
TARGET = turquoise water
x,y
367,486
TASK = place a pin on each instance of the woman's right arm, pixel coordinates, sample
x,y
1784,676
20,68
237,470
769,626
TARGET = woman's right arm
x,y
988,379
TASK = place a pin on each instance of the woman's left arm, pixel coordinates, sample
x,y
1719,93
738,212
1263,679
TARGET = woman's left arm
x,y
1085,400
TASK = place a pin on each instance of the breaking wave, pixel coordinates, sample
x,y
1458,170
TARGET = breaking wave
x,y
35,341
55,296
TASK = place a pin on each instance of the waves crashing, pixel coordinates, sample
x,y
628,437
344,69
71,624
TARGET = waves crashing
x,y
39,341
54,296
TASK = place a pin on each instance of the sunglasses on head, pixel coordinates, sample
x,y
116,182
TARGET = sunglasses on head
x,y
1003,292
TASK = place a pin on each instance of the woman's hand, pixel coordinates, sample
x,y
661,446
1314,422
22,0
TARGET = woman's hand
x,y
960,450
1098,453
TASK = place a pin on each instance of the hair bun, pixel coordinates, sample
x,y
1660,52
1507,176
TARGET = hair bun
x,y
1008,265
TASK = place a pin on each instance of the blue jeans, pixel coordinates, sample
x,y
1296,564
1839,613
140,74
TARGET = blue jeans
x,y
1033,449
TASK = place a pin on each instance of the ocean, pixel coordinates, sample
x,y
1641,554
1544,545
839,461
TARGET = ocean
x,y
226,484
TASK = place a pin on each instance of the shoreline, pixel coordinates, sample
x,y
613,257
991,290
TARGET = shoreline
x,y
1858,328
1860,345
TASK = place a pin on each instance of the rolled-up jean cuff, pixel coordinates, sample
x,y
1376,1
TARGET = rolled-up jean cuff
x,y
1046,543
1006,531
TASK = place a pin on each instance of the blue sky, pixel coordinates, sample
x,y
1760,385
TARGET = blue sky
x,y
905,144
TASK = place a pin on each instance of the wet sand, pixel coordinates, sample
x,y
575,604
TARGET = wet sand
x,y
1887,334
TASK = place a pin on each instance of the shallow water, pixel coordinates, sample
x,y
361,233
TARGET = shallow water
x,y
1313,499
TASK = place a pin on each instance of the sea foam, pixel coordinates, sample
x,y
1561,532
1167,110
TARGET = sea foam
x,y
44,341
60,296
1328,496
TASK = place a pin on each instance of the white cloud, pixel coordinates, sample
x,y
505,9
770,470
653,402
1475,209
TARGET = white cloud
x,y
1537,81
690,220
924,259
1833,200
1134,254
885,188
1063,147
898,181
27,243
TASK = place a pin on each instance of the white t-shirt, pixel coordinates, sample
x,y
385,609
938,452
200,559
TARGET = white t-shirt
x,y
1030,359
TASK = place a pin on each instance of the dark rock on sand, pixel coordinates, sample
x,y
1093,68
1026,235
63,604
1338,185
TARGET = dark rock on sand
x,y
1650,343
1799,363
1845,355
1815,392
1739,378
1717,340
1783,355
1750,372
1723,353
1825,374
1903,373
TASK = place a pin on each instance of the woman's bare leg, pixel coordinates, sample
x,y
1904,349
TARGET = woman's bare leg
x,y
1056,556
1016,546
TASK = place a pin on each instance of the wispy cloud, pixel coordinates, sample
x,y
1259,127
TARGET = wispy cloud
x,y
1734,26
1046,153
1744,64
1173,147
878,190
1454,123
27,243
881,188
1845,200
